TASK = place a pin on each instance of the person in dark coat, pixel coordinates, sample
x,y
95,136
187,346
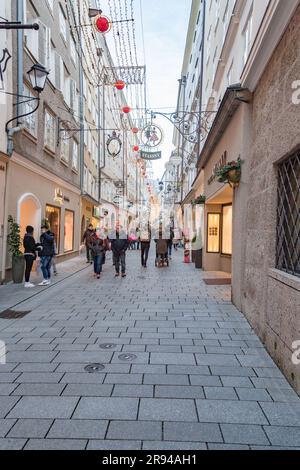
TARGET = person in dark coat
x,y
119,246
145,245
47,242
30,250
86,239
98,249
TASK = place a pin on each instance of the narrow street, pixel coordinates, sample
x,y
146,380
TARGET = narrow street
x,y
199,378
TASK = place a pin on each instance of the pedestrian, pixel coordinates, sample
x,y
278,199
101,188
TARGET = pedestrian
x,y
170,242
53,262
47,243
97,248
145,246
30,249
138,238
86,239
119,246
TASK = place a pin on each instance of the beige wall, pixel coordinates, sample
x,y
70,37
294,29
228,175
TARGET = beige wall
x,y
271,299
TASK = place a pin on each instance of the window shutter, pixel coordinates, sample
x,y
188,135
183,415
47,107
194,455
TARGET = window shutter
x,y
59,72
32,41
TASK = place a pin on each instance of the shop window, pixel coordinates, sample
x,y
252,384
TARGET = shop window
x,y
53,218
69,231
288,216
30,121
213,233
227,230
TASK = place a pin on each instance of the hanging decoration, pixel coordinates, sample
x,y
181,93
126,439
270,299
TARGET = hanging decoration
x,y
126,109
135,130
102,24
136,148
120,85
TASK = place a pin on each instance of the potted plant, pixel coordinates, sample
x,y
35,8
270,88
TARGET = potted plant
x,y
199,200
230,173
14,243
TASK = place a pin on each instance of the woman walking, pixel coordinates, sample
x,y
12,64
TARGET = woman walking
x,y
97,247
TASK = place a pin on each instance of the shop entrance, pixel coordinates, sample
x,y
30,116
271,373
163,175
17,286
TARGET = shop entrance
x,y
29,213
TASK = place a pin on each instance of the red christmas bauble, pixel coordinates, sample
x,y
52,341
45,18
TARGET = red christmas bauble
x,y
135,130
102,24
136,148
120,85
126,109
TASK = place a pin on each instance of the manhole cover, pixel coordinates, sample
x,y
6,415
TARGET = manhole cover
x,y
127,357
107,346
92,368
13,314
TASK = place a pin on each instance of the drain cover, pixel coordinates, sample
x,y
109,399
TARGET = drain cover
x,y
13,314
92,368
127,357
107,346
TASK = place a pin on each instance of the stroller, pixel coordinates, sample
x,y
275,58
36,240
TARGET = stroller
x,y
161,253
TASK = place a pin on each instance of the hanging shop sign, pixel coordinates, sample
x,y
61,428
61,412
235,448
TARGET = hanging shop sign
x,y
96,212
150,155
152,136
219,164
58,196
114,145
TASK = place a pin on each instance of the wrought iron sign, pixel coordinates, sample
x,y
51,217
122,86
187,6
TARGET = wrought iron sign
x,y
114,145
150,155
152,136
6,56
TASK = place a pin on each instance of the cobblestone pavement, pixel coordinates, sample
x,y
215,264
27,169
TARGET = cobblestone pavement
x,y
199,378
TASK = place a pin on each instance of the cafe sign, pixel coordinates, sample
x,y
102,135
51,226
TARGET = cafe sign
x,y
150,155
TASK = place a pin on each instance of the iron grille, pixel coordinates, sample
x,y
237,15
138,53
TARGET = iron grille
x,y
288,213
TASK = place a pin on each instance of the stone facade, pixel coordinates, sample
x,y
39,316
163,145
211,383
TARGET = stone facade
x,y
270,298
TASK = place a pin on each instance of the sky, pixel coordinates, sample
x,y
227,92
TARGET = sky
x,y
165,25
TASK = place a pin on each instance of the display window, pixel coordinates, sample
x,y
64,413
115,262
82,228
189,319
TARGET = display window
x,y
53,218
227,230
213,233
69,231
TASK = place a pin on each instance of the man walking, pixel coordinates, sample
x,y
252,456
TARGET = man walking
x,y
47,243
145,245
88,234
119,246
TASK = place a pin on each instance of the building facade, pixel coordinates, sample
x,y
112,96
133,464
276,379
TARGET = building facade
x,y
249,88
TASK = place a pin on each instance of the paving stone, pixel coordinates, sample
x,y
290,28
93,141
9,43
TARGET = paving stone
x,y
124,379
172,358
255,361
88,390
236,382
148,369
244,434
220,393
192,432
56,444
282,414
235,371
107,408
6,404
271,383
12,444
114,445
282,395
162,391
216,360
136,391
39,377
191,370
31,428
43,389
226,411
268,372
158,409
5,426
168,445
283,435
134,430
227,447
7,389
253,394
167,379
44,407
8,377
83,377
78,429
203,380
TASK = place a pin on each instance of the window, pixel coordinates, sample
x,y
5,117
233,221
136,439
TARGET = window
x,y
31,120
247,38
288,216
69,231
85,179
53,217
62,24
227,230
64,147
225,21
75,158
73,51
50,131
213,233
50,5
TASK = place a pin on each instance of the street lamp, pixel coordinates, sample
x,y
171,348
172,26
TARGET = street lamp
x,y
37,76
